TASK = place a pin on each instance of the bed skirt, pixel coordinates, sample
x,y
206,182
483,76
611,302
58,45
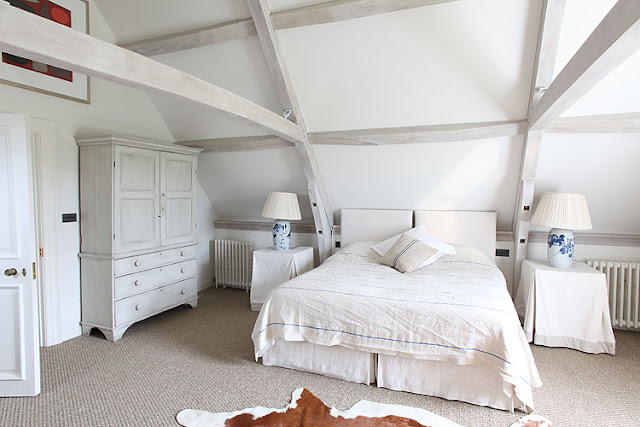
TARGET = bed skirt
x,y
336,362
466,383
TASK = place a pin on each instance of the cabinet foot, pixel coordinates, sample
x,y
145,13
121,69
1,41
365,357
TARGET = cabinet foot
x,y
109,334
113,334
193,303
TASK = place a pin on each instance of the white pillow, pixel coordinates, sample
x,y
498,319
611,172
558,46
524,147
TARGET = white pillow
x,y
409,254
419,233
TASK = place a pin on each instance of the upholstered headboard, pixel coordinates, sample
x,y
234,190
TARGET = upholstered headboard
x,y
466,228
359,225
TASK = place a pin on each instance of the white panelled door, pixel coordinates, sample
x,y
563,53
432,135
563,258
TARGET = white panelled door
x,y
19,346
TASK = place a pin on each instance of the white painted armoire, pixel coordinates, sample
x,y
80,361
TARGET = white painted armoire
x,y
138,231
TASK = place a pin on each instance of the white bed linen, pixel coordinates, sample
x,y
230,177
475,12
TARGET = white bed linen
x,y
456,310
336,361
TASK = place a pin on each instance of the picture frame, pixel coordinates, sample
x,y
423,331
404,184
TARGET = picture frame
x,y
43,78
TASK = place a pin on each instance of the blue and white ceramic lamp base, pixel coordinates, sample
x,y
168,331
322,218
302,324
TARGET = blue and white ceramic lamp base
x,y
281,234
560,244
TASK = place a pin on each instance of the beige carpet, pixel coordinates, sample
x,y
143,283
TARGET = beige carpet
x,y
202,359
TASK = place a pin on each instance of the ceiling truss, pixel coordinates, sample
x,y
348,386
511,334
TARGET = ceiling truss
x,y
321,13
318,194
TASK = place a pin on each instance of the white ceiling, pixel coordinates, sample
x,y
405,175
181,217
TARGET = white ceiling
x,y
430,65
619,92
143,19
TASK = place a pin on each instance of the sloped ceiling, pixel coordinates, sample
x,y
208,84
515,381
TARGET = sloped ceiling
x,y
465,61
430,65
142,19
619,92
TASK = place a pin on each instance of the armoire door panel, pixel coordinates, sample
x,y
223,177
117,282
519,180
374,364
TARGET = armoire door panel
x,y
134,226
177,218
138,172
178,175
178,198
136,199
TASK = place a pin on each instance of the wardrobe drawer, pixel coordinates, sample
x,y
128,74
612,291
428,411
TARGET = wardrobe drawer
x,y
137,282
156,259
137,307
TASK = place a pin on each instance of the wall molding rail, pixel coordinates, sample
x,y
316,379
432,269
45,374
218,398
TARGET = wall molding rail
x,y
598,239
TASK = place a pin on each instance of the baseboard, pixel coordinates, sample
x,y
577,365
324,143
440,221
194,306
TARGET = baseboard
x,y
70,333
205,284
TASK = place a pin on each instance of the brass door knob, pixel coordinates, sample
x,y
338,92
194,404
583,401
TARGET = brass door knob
x,y
10,272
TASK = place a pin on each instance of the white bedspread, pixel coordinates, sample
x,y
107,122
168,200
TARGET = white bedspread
x,y
457,310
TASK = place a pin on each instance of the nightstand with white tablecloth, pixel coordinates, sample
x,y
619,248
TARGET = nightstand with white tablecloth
x,y
273,267
565,307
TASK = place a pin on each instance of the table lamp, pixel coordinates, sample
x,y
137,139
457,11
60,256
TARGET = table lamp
x,y
563,213
281,207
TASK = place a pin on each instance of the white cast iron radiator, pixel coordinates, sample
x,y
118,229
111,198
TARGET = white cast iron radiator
x,y
234,261
623,282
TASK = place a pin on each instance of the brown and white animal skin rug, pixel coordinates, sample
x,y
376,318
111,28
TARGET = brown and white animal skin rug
x,y
306,409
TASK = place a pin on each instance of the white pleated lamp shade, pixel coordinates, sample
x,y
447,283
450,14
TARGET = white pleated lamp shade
x,y
282,206
562,210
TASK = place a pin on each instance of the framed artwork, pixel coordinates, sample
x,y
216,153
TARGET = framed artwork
x,y
44,78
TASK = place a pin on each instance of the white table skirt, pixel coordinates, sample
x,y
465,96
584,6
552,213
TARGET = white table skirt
x,y
272,267
565,307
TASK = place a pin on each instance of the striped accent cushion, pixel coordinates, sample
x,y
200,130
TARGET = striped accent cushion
x,y
408,253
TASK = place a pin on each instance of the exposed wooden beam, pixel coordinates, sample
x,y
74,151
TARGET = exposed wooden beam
x,y
370,137
321,13
276,62
614,40
241,143
602,123
318,194
31,36
341,10
551,17
420,134
194,38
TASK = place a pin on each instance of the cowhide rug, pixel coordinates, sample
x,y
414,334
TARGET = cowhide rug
x,y
306,409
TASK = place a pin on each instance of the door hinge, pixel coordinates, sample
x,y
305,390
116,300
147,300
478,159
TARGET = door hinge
x,y
114,164
34,270
41,251
114,237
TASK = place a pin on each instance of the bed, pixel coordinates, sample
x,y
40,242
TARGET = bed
x,y
449,329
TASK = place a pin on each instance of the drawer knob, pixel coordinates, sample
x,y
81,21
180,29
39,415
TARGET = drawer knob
x,y
138,307
137,263
137,283
184,291
182,270
182,253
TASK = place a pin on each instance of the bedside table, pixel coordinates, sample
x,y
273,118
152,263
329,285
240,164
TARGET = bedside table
x,y
272,267
565,307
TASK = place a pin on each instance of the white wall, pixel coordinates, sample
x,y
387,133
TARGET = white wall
x,y
469,175
237,183
113,110
603,167
204,221
238,66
